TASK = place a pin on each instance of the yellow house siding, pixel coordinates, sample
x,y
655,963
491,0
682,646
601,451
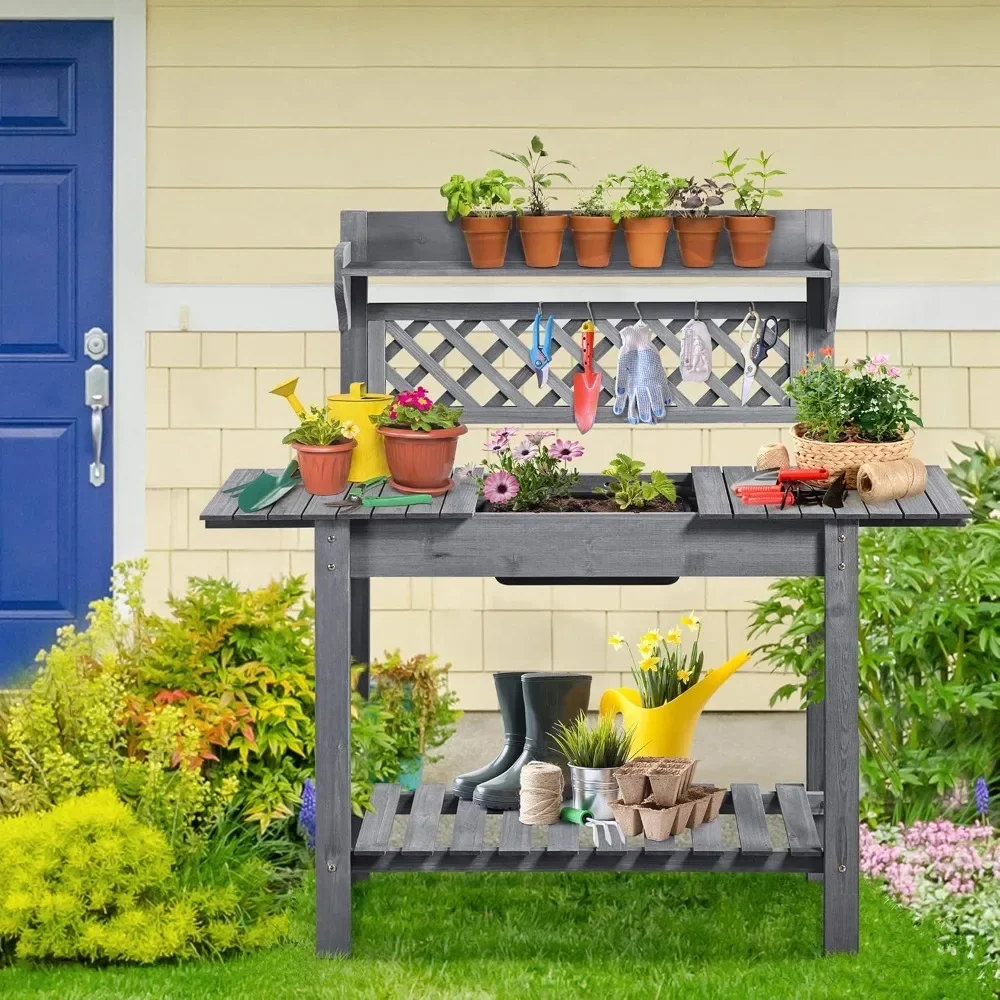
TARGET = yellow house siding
x,y
266,120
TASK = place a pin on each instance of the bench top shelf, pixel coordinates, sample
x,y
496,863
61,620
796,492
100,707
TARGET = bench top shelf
x,y
710,487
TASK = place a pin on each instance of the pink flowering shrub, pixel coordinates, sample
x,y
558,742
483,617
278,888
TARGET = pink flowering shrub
x,y
522,475
945,872
416,411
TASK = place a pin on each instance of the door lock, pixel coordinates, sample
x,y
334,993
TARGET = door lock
x,y
95,344
97,384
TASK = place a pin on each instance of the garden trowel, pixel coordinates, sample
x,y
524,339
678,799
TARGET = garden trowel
x,y
586,384
266,489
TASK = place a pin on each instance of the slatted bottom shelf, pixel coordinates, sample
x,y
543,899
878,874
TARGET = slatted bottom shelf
x,y
565,847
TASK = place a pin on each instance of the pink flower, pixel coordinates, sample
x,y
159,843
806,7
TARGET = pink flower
x,y
500,487
827,352
537,437
565,451
880,359
422,403
871,369
894,371
500,438
524,451
392,412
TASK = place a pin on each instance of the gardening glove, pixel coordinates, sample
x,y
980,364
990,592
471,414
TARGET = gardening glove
x,y
641,385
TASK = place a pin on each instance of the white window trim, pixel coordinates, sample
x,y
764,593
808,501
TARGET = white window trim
x,y
129,248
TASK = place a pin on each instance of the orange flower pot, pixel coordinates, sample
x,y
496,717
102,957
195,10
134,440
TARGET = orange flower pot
x,y
593,237
486,239
324,468
421,461
646,240
698,239
750,238
541,238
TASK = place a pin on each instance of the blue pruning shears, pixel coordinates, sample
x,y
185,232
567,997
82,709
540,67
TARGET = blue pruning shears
x,y
541,348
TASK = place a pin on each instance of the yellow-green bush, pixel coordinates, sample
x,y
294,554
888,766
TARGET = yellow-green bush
x,y
89,881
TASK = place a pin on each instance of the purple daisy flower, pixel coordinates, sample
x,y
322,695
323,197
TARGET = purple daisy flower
x,y
565,451
524,451
500,487
537,437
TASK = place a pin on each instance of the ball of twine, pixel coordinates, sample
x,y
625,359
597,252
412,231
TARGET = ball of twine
x,y
541,793
879,482
772,456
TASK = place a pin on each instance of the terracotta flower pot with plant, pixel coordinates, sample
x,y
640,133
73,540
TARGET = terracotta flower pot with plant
x,y
323,446
642,212
481,203
593,228
420,438
851,414
749,232
697,229
541,232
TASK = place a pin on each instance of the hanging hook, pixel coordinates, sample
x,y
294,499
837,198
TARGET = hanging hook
x,y
591,313
695,308
638,312
539,308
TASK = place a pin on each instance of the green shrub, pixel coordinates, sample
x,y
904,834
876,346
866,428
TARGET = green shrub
x,y
88,881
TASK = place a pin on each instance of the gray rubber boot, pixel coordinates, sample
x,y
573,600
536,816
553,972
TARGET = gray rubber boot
x,y
548,699
510,696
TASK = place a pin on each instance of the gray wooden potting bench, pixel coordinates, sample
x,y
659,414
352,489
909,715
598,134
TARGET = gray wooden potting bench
x,y
405,343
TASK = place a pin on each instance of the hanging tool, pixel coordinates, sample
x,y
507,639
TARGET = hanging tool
x,y
541,348
362,498
763,339
586,384
783,487
286,389
266,489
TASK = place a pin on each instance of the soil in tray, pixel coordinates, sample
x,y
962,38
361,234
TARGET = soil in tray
x,y
595,505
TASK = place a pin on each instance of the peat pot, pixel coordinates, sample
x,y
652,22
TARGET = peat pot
x,y
750,238
421,461
324,468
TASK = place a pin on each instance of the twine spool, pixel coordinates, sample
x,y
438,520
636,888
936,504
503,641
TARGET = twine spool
x,y
541,793
882,481
772,456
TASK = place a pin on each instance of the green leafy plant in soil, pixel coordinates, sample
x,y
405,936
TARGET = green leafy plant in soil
x,y
646,193
600,745
319,429
481,197
540,174
595,202
627,487
534,937
751,185
416,411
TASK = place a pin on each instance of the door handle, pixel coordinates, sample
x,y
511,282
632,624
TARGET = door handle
x,y
97,383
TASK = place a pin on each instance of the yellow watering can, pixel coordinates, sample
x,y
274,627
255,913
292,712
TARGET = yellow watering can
x,y
668,731
368,459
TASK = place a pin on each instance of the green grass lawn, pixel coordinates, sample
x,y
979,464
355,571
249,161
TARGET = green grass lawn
x,y
601,935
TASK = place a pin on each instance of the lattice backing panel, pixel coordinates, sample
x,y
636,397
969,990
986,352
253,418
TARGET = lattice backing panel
x,y
483,364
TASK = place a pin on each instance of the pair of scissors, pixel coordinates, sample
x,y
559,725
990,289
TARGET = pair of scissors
x,y
764,337
360,497
541,348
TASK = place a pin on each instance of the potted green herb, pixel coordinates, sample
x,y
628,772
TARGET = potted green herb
x,y
851,414
697,229
414,693
541,232
323,446
593,752
482,205
420,438
593,228
642,211
750,231
630,491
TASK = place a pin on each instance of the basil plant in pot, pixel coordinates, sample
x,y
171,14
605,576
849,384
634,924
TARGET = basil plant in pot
x,y
641,209
592,227
323,446
697,228
749,232
420,438
541,232
482,204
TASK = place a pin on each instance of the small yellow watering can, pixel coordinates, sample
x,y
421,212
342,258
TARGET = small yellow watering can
x,y
668,731
368,459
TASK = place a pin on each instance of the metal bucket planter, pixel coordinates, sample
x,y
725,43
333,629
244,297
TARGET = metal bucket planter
x,y
594,789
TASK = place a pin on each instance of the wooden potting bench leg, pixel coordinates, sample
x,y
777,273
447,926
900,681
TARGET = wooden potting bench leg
x,y
333,736
815,750
840,737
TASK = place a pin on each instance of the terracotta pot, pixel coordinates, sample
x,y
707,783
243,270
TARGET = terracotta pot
x,y
486,239
698,239
593,236
324,468
541,237
421,461
749,238
646,240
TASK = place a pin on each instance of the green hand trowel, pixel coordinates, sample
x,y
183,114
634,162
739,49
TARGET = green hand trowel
x,y
266,489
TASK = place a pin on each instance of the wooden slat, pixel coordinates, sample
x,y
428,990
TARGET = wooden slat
x,y
659,846
712,493
376,827
460,501
432,509
388,513
431,366
942,494
733,474
425,813
706,838
316,508
225,504
751,823
249,516
918,507
800,826
567,269
888,510
563,837
515,837
291,506
470,826
853,509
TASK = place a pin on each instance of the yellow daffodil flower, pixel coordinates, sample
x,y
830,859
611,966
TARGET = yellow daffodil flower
x,y
649,663
652,636
616,641
674,637
692,622
684,675
646,648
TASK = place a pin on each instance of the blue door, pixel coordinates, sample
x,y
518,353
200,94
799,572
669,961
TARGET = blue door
x,y
56,102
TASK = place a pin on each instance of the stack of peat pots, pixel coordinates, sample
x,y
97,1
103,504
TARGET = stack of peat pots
x,y
659,800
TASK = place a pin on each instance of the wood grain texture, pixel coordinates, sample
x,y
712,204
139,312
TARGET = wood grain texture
x,y
425,814
797,815
840,859
712,493
563,838
376,826
751,823
707,838
515,836
470,828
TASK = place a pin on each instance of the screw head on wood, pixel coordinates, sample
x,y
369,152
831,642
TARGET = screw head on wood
x,y
332,566
331,867
841,565
841,869
333,538
841,538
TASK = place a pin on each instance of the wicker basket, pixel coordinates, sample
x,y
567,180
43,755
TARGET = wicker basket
x,y
847,456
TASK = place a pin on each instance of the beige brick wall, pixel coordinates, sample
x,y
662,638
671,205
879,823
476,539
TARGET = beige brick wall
x,y
208,411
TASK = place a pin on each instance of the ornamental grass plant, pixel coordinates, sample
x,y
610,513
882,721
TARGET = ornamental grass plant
x,y
601,745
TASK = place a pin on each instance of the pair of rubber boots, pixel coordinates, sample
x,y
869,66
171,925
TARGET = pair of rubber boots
x,y
531,705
